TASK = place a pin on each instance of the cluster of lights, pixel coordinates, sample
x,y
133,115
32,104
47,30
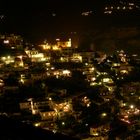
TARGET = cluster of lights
x,y
1,83
124,6
36,56
125,114
118,8
8,59
86,101
65,107
97,131
59,73
76,58
58,46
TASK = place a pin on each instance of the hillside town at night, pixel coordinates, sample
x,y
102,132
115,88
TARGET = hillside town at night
x,y
70,70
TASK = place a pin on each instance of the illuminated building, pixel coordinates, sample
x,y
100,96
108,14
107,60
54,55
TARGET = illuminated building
x,y
12,41
36,56
64,44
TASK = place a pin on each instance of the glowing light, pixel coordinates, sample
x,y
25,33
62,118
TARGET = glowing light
x,y
38,55
132,4
104,114
94,132
93,79
93,83
130,8
124,104
46,47
52,68
118,8
63,123
107,80
124,8
55,47
91,69
69,43
108,12
76,58
1,83
86,13
112,7
3,58
6,41
37,124
54,131
124,71
132,106
88,105
22,81
53,14
57,39
66,72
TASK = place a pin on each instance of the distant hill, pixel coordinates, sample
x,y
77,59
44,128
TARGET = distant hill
x,y
110,39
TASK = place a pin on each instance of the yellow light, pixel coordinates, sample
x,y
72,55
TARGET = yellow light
x,y
37,124
92,68
48,64
88,105
131,106
3,58
69,43
124,71
107,80
42,59
95,134
22,81
124,104
1,82
52,68
66,72
20,56
93,83
104,114
55,47
63,123
39,55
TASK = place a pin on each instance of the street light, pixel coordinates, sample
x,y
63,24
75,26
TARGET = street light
x,y
132,106
104,114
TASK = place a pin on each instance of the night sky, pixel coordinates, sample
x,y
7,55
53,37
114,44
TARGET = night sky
x,y
47,19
